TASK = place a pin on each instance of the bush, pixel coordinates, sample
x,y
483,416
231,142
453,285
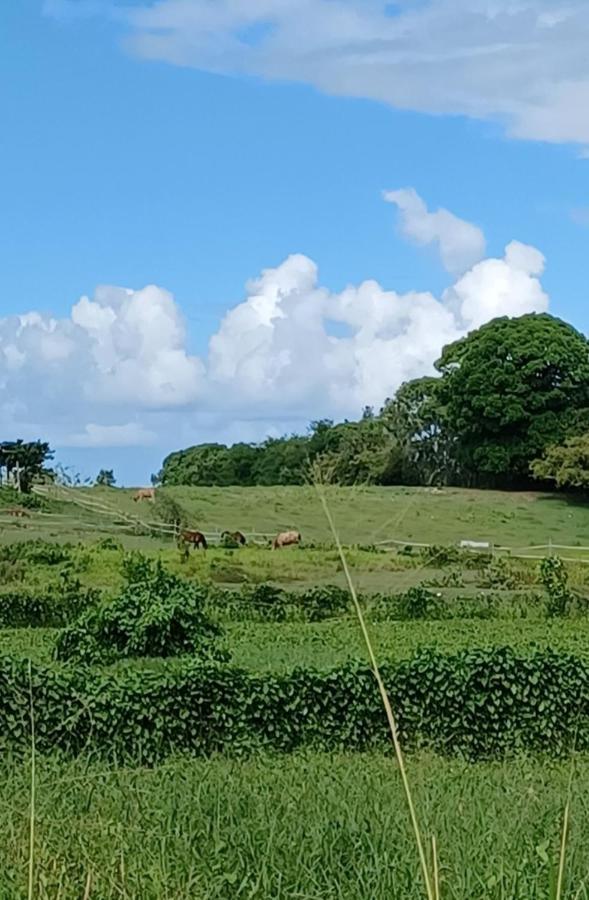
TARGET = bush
x,y
478,704
440,556
37,552
555,578
24,606
323,602
157,614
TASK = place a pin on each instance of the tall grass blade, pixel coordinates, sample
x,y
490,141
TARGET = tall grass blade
x,y
383,693
33,786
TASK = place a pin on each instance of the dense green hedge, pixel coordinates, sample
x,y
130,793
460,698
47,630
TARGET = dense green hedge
x,y
478,704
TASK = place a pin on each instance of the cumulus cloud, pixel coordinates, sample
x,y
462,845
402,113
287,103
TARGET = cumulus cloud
x,y
521,62
116,371
460,243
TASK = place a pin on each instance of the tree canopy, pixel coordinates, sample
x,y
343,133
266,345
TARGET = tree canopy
x,y
567,465
508,391
503,395
23,461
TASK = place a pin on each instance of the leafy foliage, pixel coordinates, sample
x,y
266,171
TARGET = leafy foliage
x,y
509,390
554,577
156,614
477,704
24,461
567,465
106,478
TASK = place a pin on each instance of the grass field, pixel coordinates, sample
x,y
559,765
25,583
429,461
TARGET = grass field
x,y
305,826
364,515
311,827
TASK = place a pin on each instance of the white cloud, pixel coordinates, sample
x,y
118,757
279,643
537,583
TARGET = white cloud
x,y
460,243
131,434
499,287
521,62
116,372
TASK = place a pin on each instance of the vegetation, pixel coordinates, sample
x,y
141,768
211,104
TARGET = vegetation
x,y
21,462
106,478
182,758
322,827
567,465
156,614
504,394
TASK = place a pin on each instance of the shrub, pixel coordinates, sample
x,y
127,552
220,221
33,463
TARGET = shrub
x,y
416,603
478,704
25,606
555,577
440,555
157,614
37,552
323,602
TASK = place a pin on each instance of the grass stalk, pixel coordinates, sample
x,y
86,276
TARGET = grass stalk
x,y
563,845
384,696
33,786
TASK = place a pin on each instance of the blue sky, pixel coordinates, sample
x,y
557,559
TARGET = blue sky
x,y
190,154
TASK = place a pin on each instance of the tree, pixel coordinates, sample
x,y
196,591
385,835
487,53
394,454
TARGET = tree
x,y
508,391
106,478
413,418
567,465
24,461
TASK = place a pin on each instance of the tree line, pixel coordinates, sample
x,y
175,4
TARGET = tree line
x,y
509,404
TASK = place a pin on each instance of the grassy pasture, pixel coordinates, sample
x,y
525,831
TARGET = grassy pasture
x,y
364,515
304,826
312,827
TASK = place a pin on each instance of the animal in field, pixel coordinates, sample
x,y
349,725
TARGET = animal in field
x,y
286,539
144,494
18,512
236,536
196,538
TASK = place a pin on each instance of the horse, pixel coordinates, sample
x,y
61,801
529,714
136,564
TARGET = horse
x,y
236,536
285,539
145,494
196,538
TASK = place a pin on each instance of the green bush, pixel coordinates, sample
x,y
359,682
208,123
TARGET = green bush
x,y
322,602
157,614
554,577
477,704
37,552
25,606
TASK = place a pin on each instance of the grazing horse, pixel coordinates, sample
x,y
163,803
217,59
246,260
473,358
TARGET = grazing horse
x,y
18,512
285,539
235,536
196,538
144,494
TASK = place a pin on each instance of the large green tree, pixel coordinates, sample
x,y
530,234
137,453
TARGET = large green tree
x,y
511,389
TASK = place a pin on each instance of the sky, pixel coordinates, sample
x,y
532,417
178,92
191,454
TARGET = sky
x,y
221,220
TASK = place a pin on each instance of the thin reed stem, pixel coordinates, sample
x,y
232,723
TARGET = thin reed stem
x,y
435,867
562,855
384,696
33,790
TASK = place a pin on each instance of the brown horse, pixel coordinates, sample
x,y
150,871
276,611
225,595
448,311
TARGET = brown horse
x,y
235,536
196,538
285,539
145,494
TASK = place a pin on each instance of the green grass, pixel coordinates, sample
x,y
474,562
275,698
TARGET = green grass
x,y
363,515
264,647
312,827
303,827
